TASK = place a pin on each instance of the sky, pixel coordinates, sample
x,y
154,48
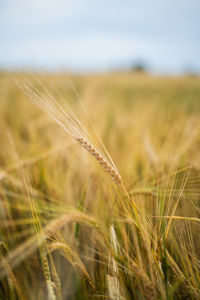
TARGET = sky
x,y
93,36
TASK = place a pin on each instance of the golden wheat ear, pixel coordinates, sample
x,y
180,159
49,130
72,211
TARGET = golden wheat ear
x,y
103,162
60,111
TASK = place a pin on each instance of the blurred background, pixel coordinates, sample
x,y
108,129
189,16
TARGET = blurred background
x,y
161,36
148,120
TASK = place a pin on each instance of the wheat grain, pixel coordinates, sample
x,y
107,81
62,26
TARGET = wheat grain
x,y
51,294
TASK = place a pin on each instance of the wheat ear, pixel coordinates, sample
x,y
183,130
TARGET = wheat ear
x,y
113,281
60,111
149,291
102,161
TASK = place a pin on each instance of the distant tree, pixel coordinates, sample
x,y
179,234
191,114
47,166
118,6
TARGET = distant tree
x,y
138,66
191,72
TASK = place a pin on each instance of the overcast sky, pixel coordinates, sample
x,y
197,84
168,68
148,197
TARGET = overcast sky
x,y
91,35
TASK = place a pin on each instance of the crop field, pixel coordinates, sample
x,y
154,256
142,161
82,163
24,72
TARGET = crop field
x,y
99,186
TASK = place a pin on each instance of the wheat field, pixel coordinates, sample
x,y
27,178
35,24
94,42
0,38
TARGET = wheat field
x,y
99,186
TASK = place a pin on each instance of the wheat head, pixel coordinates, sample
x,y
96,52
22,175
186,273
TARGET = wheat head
x,y
102,161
